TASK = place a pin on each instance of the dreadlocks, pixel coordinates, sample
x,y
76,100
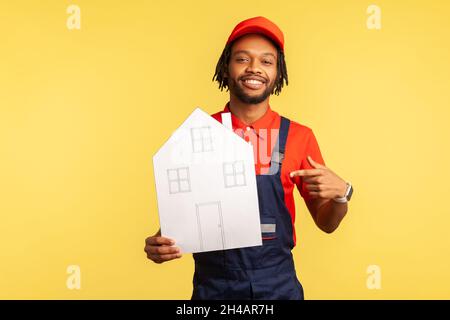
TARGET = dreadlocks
x,y
224,60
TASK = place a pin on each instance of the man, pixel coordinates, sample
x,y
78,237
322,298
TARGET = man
x,y
252,67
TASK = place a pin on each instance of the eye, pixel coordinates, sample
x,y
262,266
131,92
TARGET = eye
x,y
268,62
240,59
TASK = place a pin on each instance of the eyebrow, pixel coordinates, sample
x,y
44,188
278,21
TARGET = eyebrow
x,y
248,52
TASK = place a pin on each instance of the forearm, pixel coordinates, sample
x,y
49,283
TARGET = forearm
x,y
330,215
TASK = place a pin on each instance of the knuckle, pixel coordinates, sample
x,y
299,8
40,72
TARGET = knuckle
x,y
155,258
151,250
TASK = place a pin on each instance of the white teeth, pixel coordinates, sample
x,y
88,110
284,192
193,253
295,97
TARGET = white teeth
x,y
251,81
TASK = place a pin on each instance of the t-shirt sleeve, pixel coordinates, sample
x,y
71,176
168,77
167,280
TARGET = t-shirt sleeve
x,y
312,149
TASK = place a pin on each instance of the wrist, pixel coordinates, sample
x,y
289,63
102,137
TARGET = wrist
x,y
346,195
343,190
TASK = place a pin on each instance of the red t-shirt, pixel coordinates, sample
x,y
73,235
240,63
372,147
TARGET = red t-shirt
x,y
300,143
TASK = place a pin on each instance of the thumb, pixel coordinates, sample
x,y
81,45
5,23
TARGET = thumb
x,y
315,164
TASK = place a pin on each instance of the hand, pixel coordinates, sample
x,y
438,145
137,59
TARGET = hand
x,y
160,249
321,182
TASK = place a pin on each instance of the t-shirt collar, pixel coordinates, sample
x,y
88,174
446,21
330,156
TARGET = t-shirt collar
x,y
267,121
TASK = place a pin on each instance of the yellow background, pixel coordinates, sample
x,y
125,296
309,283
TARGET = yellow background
x,y
83,111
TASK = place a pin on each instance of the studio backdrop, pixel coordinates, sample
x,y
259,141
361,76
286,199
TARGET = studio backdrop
x,y
90,90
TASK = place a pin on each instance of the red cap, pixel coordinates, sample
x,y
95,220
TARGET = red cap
x,y
258,25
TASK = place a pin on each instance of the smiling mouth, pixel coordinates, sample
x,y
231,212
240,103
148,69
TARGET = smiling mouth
x,y
253,84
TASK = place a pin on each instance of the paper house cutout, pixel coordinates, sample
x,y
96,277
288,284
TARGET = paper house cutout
x,y
206,187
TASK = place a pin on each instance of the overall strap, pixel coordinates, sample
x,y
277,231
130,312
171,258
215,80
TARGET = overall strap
x,y
280,146
284,129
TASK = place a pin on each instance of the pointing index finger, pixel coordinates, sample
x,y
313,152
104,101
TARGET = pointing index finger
x,y
306,173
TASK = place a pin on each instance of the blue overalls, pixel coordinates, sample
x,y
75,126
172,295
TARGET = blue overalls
x,y
263,272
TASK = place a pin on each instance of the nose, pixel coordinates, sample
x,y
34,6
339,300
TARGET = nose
x,y
253,67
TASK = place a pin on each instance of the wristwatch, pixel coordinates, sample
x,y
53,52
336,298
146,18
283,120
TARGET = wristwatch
x,y
347,196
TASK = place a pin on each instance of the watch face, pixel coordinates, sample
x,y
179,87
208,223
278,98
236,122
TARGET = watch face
x,y
350,192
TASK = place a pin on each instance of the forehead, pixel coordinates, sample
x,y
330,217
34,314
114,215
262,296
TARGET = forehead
x,y
254,43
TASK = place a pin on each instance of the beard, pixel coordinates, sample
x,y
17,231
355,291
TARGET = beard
x,y
239,92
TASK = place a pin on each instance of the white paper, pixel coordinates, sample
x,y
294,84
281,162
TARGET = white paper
x,y
206,187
